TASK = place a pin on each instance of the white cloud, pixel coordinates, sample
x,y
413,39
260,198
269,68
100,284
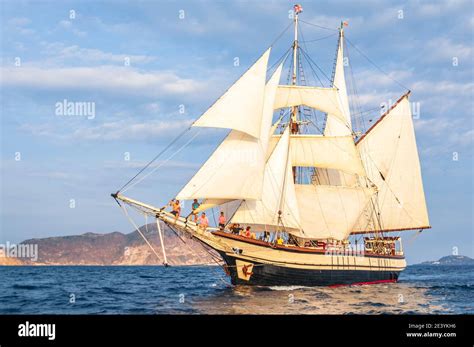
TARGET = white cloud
x,y
433,126
20,25
19,21
122,130
445,135
445,88
60,53
68,25
119,80
437,8
443,48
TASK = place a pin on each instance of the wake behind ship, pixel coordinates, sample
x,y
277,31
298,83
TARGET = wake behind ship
x,y
320,207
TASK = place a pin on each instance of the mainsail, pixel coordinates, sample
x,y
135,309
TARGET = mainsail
x,y
390,156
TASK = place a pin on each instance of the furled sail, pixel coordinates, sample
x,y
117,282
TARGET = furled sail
x,y
336,152
278,194
242,104
390,155
323,99
239,160
330,212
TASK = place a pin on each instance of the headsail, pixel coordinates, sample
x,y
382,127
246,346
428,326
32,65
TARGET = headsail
x,y
390,155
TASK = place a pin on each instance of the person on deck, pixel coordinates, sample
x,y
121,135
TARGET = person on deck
x,y
247,232
203,222
176,209
279,240
194,207
222,221
235,228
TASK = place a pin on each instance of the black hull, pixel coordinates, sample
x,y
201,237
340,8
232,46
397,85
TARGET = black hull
x,y
273,275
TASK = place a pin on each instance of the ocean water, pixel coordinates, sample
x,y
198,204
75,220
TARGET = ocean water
x,y
206,290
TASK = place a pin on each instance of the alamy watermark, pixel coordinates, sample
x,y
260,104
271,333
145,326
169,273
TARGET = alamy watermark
x,y
349,250
75,108
22,250
414,105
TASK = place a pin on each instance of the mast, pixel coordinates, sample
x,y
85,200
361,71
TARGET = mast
x,y
294,125
294,112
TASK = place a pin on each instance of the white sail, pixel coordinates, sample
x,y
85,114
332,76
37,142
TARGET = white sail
x,y
235,169
390,155
278,194
323,99
267,116
330,212
238,160
336,152
241,106
334,127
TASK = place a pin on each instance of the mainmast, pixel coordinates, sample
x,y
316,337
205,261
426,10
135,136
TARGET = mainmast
x,y
294,126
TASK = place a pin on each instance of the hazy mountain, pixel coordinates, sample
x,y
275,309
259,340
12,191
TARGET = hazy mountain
x,y
452,260
115,249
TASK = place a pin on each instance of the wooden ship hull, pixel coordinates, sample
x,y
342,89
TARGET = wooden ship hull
x,y
255,262
268,265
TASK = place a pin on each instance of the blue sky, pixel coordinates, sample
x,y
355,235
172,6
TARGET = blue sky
x,y
425,45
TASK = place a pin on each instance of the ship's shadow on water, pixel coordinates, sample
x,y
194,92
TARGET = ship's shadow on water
x,y
206,290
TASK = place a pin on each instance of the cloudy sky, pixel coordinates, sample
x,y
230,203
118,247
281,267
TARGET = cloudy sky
x,y
150,68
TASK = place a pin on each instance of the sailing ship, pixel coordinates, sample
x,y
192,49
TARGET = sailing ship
x,y
321,206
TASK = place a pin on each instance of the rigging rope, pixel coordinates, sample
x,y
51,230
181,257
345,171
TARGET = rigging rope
x,y
378,67
319,39
155,158
281,34
163,162
317,26
138,230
